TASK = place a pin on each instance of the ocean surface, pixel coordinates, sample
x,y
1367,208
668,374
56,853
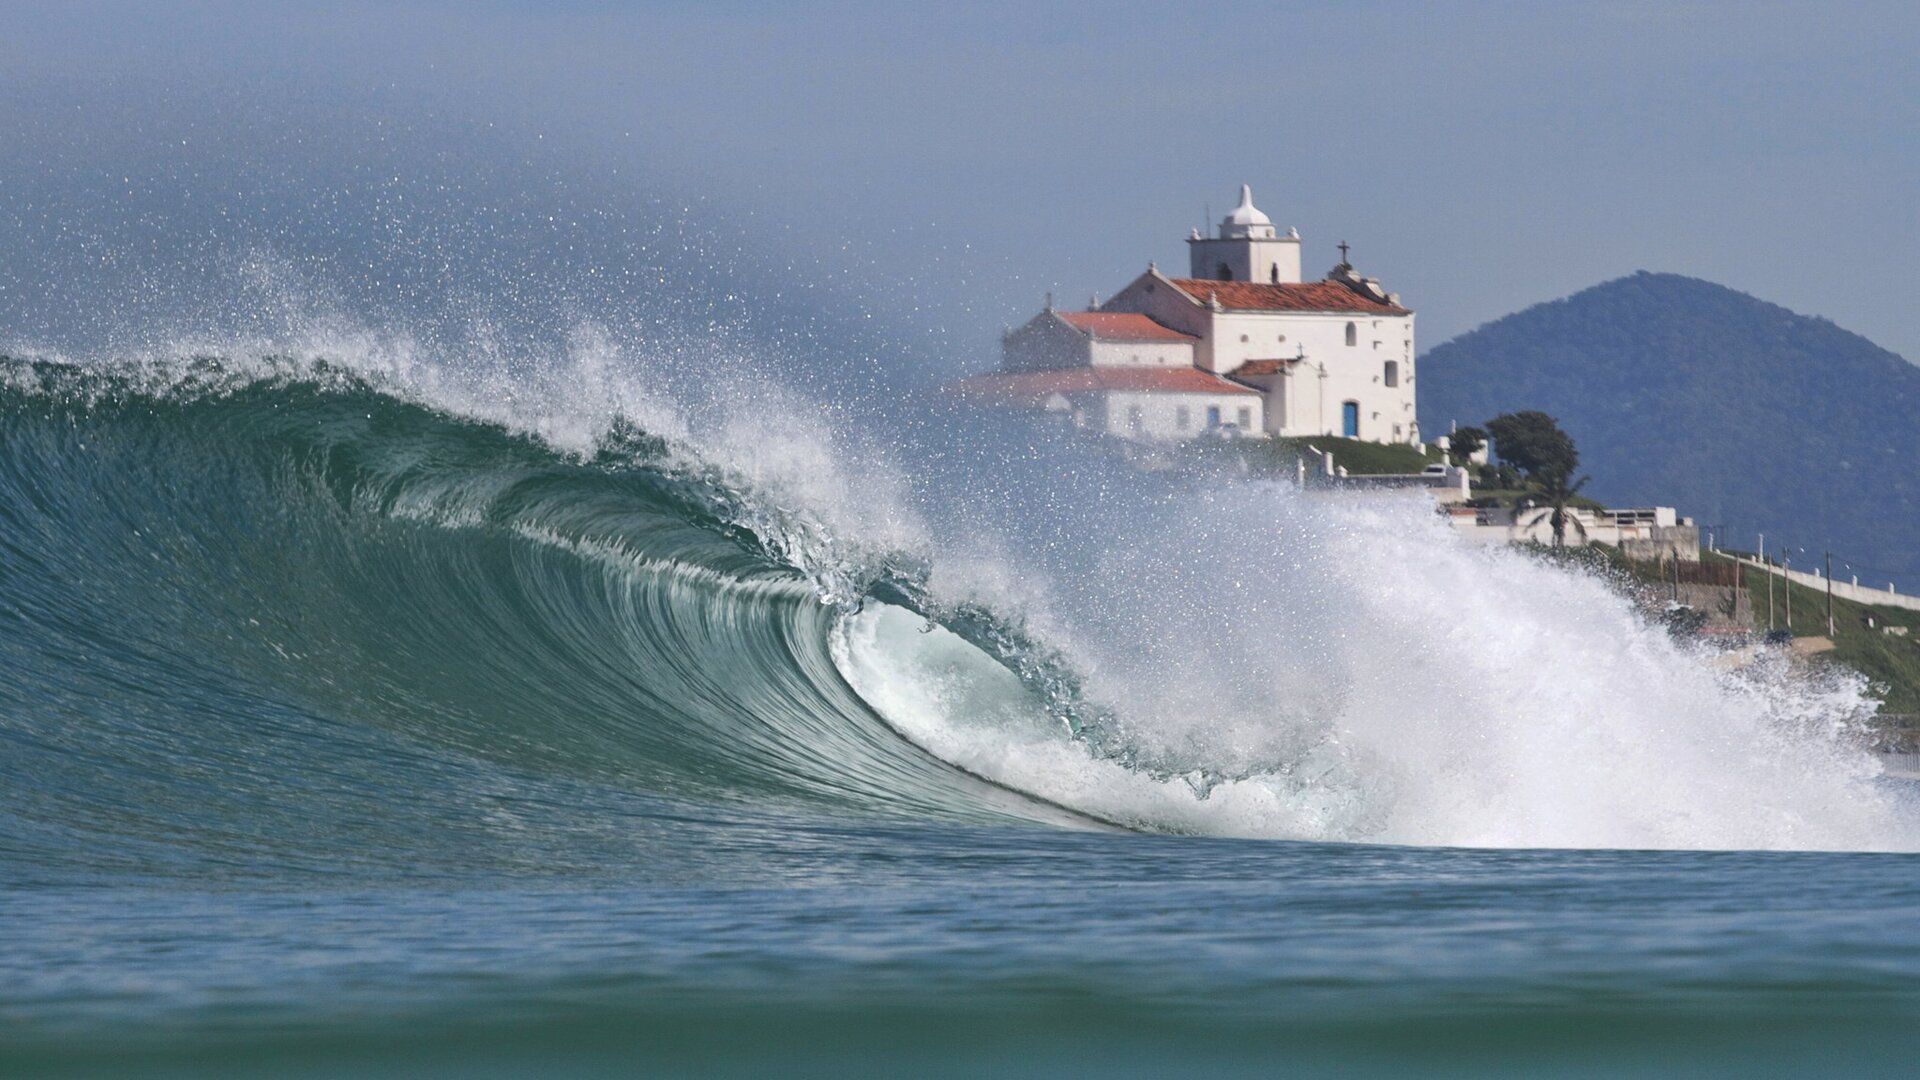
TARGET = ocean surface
x,y
348,728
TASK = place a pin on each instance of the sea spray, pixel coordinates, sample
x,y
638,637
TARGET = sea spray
x,y
1195,652
1267,662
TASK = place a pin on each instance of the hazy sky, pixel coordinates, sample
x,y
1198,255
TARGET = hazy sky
x,y
1479,157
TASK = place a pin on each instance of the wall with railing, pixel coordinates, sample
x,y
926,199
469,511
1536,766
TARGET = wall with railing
x,y
1845,590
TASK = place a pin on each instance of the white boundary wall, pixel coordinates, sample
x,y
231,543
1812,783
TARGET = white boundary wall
x,y
1858,594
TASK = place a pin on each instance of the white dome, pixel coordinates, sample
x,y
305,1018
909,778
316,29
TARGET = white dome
x,y
1246,213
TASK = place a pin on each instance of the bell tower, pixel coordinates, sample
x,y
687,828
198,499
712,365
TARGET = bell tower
x,y
1246,248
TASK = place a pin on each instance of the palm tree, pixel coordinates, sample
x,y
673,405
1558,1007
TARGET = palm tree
x,y
1556,489
1530,515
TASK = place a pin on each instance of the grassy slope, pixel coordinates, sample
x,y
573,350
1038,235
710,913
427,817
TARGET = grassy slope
x,y
1358,458
1369,459
1893,663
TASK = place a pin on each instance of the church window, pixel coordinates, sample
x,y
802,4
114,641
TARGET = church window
x,y
1226,272
1182,416
1246,418
1393,373
1350,419
1353,334
1276,273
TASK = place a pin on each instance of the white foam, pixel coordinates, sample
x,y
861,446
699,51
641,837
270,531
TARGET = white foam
x,y
1269,664
1341,669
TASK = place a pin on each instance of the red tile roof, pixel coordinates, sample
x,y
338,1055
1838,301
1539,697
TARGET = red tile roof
x,y
1033,387
1259,367
1304,296
1121,326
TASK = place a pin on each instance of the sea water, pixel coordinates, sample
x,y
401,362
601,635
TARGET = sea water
x,y
354,722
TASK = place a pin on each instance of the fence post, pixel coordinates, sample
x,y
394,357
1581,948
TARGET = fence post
x,y
1829,595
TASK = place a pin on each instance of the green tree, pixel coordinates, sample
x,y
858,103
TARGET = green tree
x,y
1533,443
1464,443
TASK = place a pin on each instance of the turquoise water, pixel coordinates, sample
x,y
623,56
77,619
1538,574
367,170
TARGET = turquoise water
x,y
345,734
846,949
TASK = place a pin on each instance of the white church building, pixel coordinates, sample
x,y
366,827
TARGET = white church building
x,y
1241,346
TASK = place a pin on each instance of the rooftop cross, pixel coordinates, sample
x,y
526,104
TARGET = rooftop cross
x,y
1343,253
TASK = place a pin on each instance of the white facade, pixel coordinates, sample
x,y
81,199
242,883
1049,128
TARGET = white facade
x,y
1132,402
1161,415
1310,395
1329,357
1325,372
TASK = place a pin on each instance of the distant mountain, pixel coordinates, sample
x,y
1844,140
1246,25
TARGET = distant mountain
x,y
1743,414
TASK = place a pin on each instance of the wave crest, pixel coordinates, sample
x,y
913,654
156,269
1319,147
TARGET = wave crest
x,y
290,600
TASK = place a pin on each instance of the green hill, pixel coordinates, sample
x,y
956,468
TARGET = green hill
x,y
1747,416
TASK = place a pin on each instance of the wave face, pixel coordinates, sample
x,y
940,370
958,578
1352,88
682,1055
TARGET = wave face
x,y
301,620
277,614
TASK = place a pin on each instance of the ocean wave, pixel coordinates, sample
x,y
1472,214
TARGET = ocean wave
x,y
287,611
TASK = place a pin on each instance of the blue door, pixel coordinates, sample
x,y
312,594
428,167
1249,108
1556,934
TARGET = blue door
x,y
1350,419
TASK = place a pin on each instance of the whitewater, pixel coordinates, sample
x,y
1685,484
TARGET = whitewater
x,y
742,601
380,704
490,583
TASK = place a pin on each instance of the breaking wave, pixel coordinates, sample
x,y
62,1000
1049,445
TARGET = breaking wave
x,y
290,612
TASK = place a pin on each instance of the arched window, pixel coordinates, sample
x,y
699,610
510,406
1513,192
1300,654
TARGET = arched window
x,y
1276,273
1392,376
1353,334
1226,272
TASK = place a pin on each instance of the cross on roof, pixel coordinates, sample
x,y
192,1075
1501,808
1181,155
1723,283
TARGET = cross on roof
x,y
1343,251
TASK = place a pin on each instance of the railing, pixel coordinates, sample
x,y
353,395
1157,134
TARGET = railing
x,y
1858,594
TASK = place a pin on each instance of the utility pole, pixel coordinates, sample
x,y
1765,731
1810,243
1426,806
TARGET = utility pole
x,y
1786,571
1739,579
1829,596
1768,568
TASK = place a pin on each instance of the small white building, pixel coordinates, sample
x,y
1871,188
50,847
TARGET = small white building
x,y
1117,373
1327,357
1648,533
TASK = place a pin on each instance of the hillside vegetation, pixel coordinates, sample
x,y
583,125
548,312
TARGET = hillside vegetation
x,y
1741,413
1891,663
1361,458
1278,457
